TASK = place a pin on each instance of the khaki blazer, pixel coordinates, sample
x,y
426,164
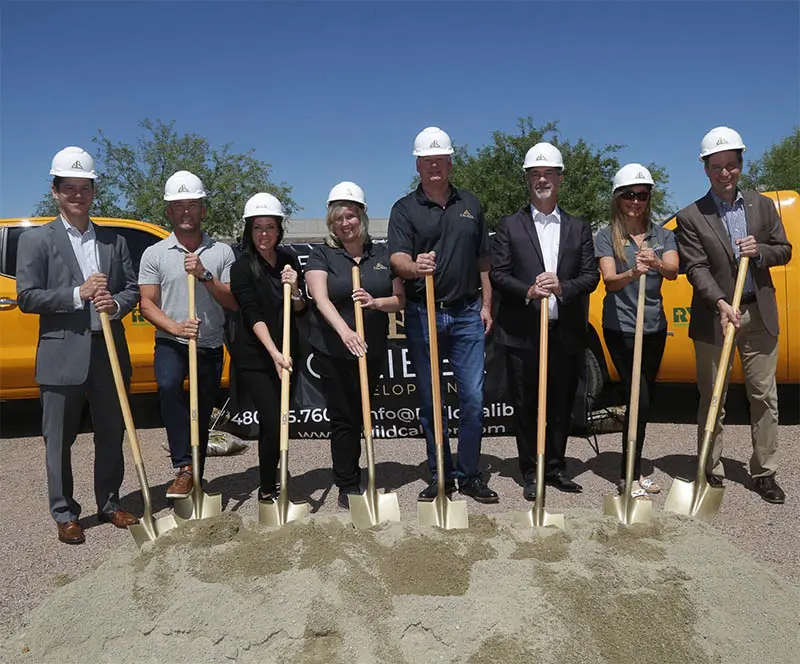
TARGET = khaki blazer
x,y
708,259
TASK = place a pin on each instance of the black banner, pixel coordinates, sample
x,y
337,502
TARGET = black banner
x,y
393,400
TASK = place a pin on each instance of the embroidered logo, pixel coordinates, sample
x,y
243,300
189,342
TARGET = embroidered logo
x,y
78,165
380,266
467,214
183,189
435,144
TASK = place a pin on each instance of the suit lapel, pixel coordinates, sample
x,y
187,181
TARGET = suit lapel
x,y
530,228
63,246
566,224
713,219
104,245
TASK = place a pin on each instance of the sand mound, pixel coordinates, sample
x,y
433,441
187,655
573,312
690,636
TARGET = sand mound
x,y
319,591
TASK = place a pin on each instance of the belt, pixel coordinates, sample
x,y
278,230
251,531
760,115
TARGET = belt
x,y
749,298
462,301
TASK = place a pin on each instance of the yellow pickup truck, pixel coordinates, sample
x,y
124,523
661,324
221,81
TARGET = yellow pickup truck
x,y
19,332
678,365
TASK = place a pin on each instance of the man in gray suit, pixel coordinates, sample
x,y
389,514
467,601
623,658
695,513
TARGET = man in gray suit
x,y
69,271
714,232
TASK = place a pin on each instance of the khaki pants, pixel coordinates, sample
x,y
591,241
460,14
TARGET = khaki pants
x,y
758,350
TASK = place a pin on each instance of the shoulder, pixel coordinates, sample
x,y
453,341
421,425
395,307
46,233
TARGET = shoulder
x,y
604,234
403,204
755,198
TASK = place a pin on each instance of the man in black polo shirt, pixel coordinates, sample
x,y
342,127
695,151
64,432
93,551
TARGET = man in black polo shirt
x,y
440,230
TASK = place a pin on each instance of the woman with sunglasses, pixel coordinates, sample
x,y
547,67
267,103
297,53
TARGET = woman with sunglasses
x,y
257,279
630,246
337,347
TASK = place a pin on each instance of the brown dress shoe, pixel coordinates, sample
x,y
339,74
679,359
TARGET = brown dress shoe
x,y
71,533
119,518
183,484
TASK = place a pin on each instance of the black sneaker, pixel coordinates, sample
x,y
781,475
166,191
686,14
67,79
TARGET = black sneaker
x,y
429,493
477,489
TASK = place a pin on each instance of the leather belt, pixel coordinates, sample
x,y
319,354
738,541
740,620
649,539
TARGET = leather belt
x,y
447,304
749,298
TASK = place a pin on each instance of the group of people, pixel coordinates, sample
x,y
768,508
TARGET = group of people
x,y
70,271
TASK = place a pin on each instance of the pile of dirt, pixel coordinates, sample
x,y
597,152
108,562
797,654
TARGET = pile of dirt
x,y
222,590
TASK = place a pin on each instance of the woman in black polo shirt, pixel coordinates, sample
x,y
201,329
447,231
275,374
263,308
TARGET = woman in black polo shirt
x,y
257,279
622,261
337,347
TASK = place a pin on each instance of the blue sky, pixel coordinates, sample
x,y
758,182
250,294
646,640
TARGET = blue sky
x,y
330,91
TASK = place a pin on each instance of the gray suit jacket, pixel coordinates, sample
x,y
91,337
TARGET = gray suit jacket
x,y
706,254
47,273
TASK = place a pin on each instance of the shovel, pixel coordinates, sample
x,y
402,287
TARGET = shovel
x,y
199,505
282,510
627,509
698,498
442,512
537,517
148,528
371,507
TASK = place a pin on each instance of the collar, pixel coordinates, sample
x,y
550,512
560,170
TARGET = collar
x,y
366,250
90,233
424,200
550,217
172,241
722,205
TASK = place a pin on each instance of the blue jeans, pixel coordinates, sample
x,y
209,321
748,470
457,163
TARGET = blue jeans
x,y
461,341
171,365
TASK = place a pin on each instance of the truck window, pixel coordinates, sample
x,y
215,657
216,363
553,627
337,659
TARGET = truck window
x,y
12,242
138,241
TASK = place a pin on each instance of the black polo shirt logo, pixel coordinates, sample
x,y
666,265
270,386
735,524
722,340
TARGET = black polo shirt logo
x,y
467,214
380,266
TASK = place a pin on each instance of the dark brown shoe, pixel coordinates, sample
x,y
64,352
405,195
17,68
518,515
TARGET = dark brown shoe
x,y
768,489
118,518
71,533
183,484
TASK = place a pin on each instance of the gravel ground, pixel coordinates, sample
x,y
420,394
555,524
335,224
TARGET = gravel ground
x,y
37,564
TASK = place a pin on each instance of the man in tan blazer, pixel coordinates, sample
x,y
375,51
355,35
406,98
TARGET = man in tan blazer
x,y
713,233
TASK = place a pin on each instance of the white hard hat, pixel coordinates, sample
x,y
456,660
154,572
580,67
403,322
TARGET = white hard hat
x,y
543,155
73,162
631,174
182,186
720,139
432,141
263,205
348,191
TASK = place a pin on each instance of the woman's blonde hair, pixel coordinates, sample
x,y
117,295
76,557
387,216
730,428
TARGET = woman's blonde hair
x,y
619,234
335,210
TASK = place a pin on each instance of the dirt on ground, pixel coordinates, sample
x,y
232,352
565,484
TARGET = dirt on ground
x,y
228,590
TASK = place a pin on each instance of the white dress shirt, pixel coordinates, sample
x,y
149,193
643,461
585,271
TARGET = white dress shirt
x,y
84,246
548,229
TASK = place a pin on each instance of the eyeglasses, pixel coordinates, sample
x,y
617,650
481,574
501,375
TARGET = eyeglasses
x,y
641,196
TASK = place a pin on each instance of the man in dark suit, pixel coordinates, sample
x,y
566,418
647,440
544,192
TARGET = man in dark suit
x,y
713,233
542,256
68,272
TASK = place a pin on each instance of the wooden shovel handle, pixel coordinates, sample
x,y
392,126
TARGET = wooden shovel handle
x,y
727,348
285,375
362,361
436,388
119,383
544,340
636,370
194,424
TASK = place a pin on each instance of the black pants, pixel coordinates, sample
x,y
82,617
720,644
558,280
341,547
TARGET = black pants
x,y
342,391
620,347
563,370
264,389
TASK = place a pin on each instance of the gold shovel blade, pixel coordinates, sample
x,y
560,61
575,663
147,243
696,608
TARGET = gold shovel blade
x,y
638,511
528,520
209,504
148,532
367,511
279,513
444,513
697,499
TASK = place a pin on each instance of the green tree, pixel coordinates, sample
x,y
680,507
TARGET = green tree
x,y
778,168
494,174
131,178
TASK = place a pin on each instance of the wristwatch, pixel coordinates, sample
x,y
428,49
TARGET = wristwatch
x,y
207,276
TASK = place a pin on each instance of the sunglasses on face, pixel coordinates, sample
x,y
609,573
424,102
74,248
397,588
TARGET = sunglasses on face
x,y
641,196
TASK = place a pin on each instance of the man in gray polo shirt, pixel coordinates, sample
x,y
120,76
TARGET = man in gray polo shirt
x,y
164,291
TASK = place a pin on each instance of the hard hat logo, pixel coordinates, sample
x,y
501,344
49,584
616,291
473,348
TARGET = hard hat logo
x,y
183,189
640,175
77,165
722,141
434,144
540,157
